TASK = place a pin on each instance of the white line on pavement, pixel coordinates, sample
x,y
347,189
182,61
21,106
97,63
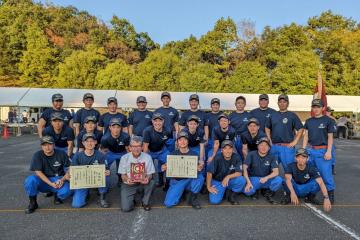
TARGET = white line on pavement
x,y
332,222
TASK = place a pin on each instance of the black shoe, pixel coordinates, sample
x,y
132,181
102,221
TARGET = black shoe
x,y
285,199
331,196
255,196
310,198
32,205
193,201
333,170
48,194
232,198
57,201
269,196
103,203
146,207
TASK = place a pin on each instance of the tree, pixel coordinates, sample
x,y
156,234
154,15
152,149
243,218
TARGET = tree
x,y
116,75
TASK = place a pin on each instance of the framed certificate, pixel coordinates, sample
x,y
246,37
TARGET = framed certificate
x,y
87,176
137,172
181,166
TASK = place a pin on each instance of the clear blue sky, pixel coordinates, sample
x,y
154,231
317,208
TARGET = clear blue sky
x,y
167,20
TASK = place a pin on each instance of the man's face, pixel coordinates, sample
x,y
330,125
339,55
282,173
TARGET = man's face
x,y
115,130
90,126
193,104
165,100
158,123
112,106
227,151
88,102
48,148
283,104
89,143
182,142
317,110
224,122
192,125
263,148
136,149
253,128
58,104
57,124
263,103
240,105
301,160
141,105
215,107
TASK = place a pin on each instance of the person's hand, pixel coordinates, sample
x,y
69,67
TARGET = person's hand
x,y
264,180
327,205
163,167
212,189
225,181
67,176
200,166
294,199
59,183
292,144
130,182
327,155
107,172
248,187
145,181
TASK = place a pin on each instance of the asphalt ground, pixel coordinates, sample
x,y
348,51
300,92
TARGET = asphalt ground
x,y
252,219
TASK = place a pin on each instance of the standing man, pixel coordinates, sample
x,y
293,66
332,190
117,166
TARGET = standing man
x,y
239,120
225,172
319,132
261,171
280,129
130,187
104,121
140,118
179,185
45,118
87,110
50,167
329,112
212,119
263,112
89,128
62,134
251,137
90,156
196,137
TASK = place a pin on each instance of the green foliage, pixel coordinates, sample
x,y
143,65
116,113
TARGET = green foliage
x,y
116,75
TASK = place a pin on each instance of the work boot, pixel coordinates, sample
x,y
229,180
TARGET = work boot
x,y
232,198
311,198
32,205
285,199
255,196
269,196
48,194
331,196
103,203
193,201
57,201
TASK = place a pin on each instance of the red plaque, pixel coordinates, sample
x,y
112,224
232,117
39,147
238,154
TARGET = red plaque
x,y
137,172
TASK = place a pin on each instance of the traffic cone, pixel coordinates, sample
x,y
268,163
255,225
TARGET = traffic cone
x,y
5,132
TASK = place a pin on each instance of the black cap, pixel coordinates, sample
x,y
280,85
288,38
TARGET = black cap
x,y
302,151
284,97
194,97
193,117
263,139
263,96
90,119
112,99
223,115
57,97
141,99
253,120
182,134
115,121
329,109
165,94
88,95
157,116
47,139
56,116
317,103
215,100
227,143
88,135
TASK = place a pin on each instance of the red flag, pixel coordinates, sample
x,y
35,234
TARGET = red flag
x,y
320,92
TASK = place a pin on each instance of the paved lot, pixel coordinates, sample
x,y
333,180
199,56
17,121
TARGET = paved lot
x,y
250,220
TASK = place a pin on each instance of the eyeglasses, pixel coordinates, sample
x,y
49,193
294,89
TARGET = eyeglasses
x,y
136,146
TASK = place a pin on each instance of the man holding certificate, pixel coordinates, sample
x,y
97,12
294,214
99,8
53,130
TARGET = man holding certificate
x,y
136,169
90,156
179,185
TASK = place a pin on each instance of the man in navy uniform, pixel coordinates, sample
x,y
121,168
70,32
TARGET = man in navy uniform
x,y
45,118
251,136
87,110
104,121
196,136
212,119
284,129
89,127
329,111
225,172
263,112
50,167
179,185
319,136
90,156
140,118
303,180
261,171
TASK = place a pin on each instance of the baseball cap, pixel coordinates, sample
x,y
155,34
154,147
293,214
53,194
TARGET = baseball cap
x,y
57,97
115,121
215,100
182,134
263,139
47,139
194,97
227,143
56,116
193,117
263,96
317,103
284,97
165,94
90,119
157,116
88,95
141,99
329,109
223,116
302,152
253,120
112,99
88,135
